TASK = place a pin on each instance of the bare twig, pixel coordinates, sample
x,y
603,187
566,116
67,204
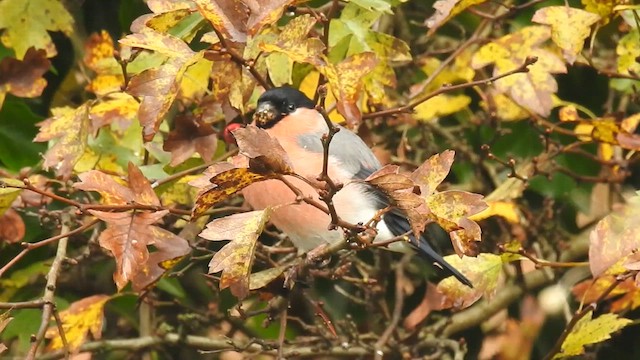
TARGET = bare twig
x,y
447,88
48,298
397,309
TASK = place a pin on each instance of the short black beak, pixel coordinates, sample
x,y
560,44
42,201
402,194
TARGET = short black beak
x,y
265,114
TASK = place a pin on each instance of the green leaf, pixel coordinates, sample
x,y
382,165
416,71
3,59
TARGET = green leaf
x,y
17,129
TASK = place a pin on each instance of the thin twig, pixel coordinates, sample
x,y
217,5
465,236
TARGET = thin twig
x,y
49,292
397,309
447,88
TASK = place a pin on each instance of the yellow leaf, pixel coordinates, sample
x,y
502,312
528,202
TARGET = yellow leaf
x,y
8,195
484,271
505,108
441,105
82,318
590,331
309,85
628,51
196,80
569,27
27,24
506,209
118,108
70,128
91,160
532,90
235,258
604,8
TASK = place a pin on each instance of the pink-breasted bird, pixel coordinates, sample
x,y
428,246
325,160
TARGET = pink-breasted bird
x,y
290,116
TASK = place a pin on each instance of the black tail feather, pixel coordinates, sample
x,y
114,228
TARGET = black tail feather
x,y
398,225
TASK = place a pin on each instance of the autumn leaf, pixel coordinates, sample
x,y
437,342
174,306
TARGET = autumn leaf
x,y
99,56
590,331
162,6
569,28
236,257
12,228
27,23
70,127
532,90
615,239
625,295
128,236
23,78
159,86
263,13
484,271
137,190
446,10
227,184
508,210
292,45
118,108
346,80
258,145
433,171
604,8
4,320
82,320
451,209
8,194
190,135
628,51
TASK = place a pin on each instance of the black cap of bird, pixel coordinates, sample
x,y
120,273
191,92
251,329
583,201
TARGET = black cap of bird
x,y
290,116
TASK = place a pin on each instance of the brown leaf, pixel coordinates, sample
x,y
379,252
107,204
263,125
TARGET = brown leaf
x,y
265,12
12,227
625,295
158,88
127,236
170,249
190,134
138,191
83,319
235,258
226,184
23,78
256,143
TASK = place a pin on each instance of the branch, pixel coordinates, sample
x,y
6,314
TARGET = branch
x,y
48,298
213,344
484,309
524,68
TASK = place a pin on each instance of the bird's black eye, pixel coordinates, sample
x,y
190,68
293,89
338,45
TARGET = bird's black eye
x,y
291,107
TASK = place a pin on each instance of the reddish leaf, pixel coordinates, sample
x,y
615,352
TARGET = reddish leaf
x,y
12,227
138,191
265,12
23,78
127,236
625,295
229,17
190,134
235,258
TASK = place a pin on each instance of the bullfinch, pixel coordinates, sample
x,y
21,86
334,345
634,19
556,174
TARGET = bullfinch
x,y
291,117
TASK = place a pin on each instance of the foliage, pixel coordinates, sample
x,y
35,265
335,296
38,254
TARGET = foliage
x,y
510,130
